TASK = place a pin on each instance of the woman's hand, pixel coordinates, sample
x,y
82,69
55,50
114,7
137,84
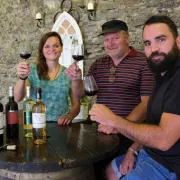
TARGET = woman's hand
x,y
23,69
73,72
64,120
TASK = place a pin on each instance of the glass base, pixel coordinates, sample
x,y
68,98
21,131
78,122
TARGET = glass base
x,y
39,141
28,135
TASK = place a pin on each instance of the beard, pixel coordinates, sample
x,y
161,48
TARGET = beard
x,y
167,63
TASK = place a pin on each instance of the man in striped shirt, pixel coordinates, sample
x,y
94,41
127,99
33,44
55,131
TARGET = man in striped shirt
x,y
124,81
123,77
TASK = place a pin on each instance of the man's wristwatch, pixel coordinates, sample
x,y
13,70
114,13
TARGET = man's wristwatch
x,y
134,151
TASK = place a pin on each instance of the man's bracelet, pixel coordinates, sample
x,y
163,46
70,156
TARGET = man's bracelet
x,y
135,152
23,78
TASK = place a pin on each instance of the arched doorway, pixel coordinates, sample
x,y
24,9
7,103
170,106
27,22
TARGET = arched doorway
x,y
71,36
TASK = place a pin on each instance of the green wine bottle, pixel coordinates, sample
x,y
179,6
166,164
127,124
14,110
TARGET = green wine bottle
x,y
27,113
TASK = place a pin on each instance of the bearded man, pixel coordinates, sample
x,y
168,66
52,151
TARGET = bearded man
x,y
159,159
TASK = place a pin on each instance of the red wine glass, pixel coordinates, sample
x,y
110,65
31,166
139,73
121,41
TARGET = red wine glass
x,y
90,89
90,86
78,53
25,52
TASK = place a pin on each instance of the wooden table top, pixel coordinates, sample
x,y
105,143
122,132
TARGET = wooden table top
x,y
66,147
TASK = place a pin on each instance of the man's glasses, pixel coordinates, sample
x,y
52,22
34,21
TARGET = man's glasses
x,y
112,74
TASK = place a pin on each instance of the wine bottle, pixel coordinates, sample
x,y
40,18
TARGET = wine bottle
x,y
28,150
39,119
1,124
27,113
12,121
40,153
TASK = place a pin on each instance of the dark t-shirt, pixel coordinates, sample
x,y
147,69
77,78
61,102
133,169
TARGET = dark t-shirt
x,y
166,99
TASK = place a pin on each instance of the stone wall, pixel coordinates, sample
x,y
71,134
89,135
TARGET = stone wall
x,y
18,27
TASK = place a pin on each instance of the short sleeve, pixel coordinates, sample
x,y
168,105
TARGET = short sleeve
x,y
147,79
92,69
172,98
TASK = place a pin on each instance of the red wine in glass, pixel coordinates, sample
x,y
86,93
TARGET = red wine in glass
x,y
25,55
90,93
78,57
25,51
78,53
90,86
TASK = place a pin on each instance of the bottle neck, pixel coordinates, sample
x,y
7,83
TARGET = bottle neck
x,y
11,95
38,96
11,98
37,100
28,93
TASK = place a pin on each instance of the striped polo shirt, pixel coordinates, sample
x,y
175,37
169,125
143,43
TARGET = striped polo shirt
x,y
133,79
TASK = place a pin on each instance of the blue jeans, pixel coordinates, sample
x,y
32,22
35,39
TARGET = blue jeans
x,y
144,168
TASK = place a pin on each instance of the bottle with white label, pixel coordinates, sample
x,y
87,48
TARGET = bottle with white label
x,y
39,119
1,124
12,121
28,150
27,113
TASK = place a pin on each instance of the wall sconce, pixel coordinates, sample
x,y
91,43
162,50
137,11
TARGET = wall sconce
x,y
91,9
40,18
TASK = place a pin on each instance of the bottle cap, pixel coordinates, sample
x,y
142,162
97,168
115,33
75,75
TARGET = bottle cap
x,y
38,89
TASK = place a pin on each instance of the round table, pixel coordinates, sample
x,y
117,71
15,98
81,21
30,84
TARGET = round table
x,y
68,153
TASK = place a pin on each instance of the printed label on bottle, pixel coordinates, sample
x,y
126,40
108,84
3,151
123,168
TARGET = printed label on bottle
x,y
1,123
38,120
13,117
1,131
28,117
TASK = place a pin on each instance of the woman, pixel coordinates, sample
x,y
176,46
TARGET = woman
x,y
49,75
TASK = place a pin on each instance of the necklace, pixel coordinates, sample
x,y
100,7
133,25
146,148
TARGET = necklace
x,y
55,73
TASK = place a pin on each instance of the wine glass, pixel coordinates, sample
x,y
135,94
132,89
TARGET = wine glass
x,y
90,86
90,89
78,53
25,52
